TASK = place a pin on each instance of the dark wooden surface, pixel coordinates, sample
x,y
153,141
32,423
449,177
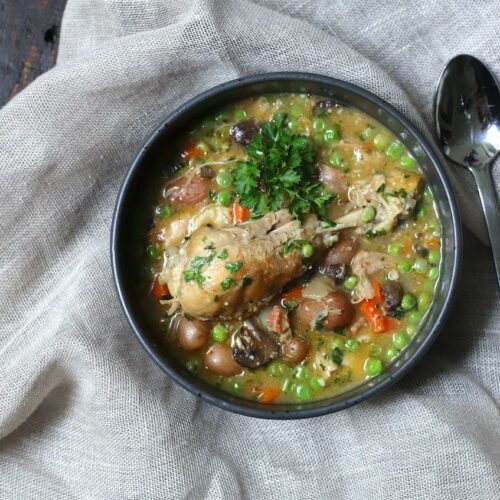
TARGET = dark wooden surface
x,y
29,36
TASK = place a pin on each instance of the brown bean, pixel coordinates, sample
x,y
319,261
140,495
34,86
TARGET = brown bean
x,y
192,334
219,360
188,189
332,311
294,351
342,252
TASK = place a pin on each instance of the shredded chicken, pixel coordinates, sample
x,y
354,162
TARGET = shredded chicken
x,y
393,198
363,265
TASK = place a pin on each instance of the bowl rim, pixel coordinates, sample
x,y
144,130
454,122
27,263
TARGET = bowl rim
x,y
263,412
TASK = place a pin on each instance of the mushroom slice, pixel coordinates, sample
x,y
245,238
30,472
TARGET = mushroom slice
x,y
253,347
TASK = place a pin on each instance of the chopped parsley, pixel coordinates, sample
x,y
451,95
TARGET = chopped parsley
x,y
381,188
234,267
280,172
223,254
370,234
194,274
227,283
337,355
291,245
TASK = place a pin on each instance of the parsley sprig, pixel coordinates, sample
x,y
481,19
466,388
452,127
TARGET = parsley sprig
x,y
195,273
280,172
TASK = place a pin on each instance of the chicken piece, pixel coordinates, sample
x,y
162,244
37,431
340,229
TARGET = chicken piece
x,y
393,197
172,230
232,271
365,264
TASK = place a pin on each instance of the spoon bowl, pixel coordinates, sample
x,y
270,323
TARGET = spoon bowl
x,y
467,117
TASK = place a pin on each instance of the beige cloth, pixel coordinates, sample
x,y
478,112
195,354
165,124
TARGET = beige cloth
x,y
84,413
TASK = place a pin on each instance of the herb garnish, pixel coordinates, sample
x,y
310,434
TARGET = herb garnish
x,y
280,172
291,245
194,274
223,254
234,267
337,355
381,188
370,234
227,283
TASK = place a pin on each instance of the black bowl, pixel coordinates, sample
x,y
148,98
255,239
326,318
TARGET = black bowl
x,y
133,200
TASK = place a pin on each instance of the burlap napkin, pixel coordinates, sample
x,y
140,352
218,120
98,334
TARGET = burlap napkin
x,y
83,412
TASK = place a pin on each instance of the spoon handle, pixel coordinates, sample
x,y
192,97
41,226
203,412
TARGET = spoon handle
x,y
490,207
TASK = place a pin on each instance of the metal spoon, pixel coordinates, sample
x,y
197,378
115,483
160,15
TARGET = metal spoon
x,y
467,117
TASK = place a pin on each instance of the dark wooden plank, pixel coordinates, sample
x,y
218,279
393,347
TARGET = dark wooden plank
x,y
29,35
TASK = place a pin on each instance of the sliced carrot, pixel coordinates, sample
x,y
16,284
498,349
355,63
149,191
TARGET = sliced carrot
x,y
240,214
434,243
293,293
191,151
406,247
268,395
373,312
159,291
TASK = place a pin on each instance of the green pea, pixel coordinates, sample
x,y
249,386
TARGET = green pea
x,y
303,392
301,372
351,345
240,114
414,317
368,214
427,195
293,125
334,134
391,353
407,162
307,250
369,132
381,141
152,252
433,273
224,179
224,198
296,111
278,369
373,366
434,256
411,330
408,302
236,385
405,266
219,333
420,266
394,151
317,383
319,125
351,282
287,385
375,349
336,159
394,248
399,340
165,211
424,301
433,226
192,365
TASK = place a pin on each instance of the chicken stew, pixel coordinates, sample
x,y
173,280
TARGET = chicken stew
x,y
295,251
